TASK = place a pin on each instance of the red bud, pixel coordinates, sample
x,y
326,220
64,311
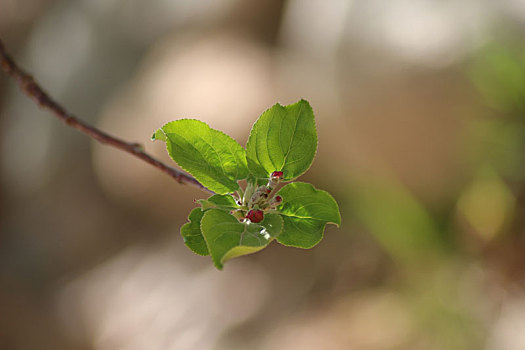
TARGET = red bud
x,y
255,215
278,174
275,201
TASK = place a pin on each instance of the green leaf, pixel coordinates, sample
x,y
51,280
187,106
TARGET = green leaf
x,y
273,224
306,211
227,238
282,139
191,233
220,201
212,157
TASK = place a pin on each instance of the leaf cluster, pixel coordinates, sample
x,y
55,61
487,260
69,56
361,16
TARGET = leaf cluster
x,y
237,221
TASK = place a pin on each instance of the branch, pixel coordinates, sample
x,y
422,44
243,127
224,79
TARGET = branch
x,y
31,88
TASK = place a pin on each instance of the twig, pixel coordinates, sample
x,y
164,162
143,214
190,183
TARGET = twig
x,y
31,88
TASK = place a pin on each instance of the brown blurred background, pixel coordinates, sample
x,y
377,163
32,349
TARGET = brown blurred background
x,y
420,109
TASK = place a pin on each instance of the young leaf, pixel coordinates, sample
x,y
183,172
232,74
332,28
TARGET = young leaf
x,y
227,238
191,233
220,201
212,157
284,139
306,211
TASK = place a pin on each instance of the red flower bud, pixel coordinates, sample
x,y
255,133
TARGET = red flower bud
x,y
278,174
275,201
255,215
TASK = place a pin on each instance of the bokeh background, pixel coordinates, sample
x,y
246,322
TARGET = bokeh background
x,y
420,108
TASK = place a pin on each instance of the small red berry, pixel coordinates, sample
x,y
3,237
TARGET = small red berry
x,y
255,215
278,174
267,190
278,199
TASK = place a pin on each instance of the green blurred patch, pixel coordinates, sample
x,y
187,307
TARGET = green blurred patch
x,y
442,304
487,204
497,140
498,143
397,220
435,279
498,72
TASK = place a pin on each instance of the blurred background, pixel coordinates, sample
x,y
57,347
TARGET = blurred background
x,y
420,109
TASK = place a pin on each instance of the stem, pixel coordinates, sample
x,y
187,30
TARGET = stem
x,y
31,88
240,193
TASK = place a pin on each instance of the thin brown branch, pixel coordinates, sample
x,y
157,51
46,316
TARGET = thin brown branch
x,y
31,88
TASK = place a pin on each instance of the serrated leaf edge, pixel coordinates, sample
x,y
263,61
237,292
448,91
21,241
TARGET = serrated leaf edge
x,y
184,239
220,265
306,217
219,131
256,153
306,247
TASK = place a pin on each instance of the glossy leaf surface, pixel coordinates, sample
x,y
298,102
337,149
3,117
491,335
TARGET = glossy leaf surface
x,y
284,138
212,157
306,211
228,238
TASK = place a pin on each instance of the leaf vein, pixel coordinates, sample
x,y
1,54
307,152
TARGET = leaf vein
x,y
293,134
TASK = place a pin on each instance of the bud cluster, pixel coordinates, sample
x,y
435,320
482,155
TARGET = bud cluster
x,y
259,201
